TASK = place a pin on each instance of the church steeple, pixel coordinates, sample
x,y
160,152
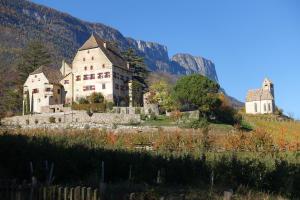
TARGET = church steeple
x,y
268,85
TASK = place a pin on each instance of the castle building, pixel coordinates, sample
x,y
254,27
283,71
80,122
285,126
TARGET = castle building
x,y
97,67
261,101
42,90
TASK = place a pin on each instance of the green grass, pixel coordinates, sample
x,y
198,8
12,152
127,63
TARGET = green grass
x,y
160,120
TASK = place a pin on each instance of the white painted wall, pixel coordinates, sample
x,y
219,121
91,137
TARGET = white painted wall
x,y
42,97
262,107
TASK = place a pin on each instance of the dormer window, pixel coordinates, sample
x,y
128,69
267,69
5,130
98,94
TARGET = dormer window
x,y
88,51
35,76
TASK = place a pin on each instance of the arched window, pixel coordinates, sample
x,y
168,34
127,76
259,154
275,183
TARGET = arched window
x,y
269,107
255,107
265,107
91,67
92,57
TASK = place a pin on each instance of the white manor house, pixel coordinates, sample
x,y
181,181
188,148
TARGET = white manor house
x,y
261,101
97,67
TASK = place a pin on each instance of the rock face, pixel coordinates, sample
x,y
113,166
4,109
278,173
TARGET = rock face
x,y
196,64
21,21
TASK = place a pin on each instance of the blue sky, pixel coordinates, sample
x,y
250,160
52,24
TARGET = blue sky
x,y
247,40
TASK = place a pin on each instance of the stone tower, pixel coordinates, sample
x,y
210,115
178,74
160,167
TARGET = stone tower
x,y
268,85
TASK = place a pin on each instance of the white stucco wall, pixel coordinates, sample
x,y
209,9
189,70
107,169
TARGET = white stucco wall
x,y
101,64
262,107
42,97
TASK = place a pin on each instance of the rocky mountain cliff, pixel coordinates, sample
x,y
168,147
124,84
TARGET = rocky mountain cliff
x,y
21,21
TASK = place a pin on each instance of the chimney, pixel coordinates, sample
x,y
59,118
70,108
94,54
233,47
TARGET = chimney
x,y
104,44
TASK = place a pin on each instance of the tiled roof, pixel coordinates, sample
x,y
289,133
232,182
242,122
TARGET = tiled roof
x,y
54,76
110,51
258,95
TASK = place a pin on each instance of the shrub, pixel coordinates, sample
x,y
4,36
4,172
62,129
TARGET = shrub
x,y
83,101
96,97
94,107
109,105
143,117
52,119
137,111
196,124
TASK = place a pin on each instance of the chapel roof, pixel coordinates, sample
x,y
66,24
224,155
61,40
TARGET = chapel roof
x,y
54,76
259,95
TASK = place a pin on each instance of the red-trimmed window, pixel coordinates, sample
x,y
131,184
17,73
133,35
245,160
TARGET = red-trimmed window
x,y
86,77
92,76
100,75
66,82
35,91
78,78
107,75
88,87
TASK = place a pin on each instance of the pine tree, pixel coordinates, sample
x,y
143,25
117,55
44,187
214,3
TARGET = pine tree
x,y
32,57
137,66
140,74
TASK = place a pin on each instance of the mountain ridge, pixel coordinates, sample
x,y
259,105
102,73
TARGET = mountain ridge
x,y
64,34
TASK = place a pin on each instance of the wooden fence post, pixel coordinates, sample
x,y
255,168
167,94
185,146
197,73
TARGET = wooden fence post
x,y
45,193
83,193
95,195
59,193
89,193
72,194
65,193
77,193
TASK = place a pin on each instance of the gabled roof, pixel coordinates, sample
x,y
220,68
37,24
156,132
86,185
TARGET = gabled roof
x,y
258,95
54,76
111,52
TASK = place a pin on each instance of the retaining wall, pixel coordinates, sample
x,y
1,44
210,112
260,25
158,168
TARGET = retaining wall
x,y
73,117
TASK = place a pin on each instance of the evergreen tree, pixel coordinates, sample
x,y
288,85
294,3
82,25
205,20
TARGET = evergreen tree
x,y
137,66
32,57
140,74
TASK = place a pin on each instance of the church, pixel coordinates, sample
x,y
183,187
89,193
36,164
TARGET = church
x,y
261,101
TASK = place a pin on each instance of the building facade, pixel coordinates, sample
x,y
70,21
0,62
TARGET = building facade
x,y
97,67
261,101
42,89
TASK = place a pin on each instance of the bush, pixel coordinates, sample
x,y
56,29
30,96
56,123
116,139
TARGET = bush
x,y
137,111
52,119
94,107
196,124
83,101
109,105
96,97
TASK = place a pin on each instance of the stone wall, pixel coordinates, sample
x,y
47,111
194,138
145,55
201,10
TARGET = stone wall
x,y
72,117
